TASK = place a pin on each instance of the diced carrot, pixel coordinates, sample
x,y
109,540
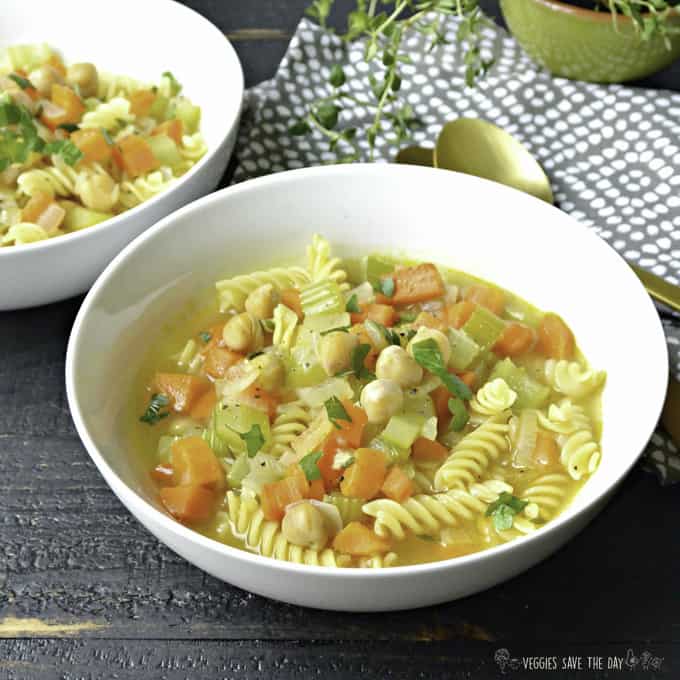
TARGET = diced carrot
x,y
218,360
366,475
380,313
358,539
516,339
546,452
555,339
172,128
468,377
188,503
429,321
163,474
93,144
440,398
316,489
259,398
141,101
36,206
365,339
277,495
459,313
427,450
195,464
57,64
491,298
67,107
183,390
417,284
298,474
204,406
397,485
136,156
291,298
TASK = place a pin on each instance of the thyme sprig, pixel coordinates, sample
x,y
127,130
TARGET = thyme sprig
x,y
650,18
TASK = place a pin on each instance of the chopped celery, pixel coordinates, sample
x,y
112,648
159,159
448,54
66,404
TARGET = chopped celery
x,y
228,421
394,453
264,469
403,429
375,267
317,395
28,57
464,350
239,470
159,107
322,297
349,508
484,327
189,114
327,322
530,393
429,429
77,217
313,437
164,150
302,365
419,403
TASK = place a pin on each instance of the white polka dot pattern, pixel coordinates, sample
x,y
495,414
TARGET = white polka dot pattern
x,y
611,152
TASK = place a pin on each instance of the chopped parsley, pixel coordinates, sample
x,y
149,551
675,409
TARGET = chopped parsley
x,y
387,286
309,465
359,354
336,411
353,304
67,150
428,355
69,127
23,83
254,439
459,412
175,87
153,412
107,137
503,509
205,336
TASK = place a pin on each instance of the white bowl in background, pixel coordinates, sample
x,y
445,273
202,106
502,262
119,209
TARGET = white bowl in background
x,y
467,223
140,40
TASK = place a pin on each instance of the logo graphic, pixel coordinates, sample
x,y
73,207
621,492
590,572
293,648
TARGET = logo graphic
x,y
504,660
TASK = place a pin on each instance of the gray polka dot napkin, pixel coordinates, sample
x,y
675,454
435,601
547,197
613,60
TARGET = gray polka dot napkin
x,y
611,152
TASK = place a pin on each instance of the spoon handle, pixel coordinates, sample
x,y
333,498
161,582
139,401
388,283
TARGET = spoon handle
x,y
659,289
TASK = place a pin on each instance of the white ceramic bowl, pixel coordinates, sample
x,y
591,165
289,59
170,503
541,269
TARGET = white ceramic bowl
x,y
468,223
140,40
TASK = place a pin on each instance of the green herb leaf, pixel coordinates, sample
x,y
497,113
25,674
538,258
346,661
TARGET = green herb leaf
x,y
309,465
353,304
387,286
337,76
503,510
69,127
206,336
23,83
327,115
336,411
175,87
428,355
299,129
153,411
459,412
408,317
107,136
67,150
254,440
359,354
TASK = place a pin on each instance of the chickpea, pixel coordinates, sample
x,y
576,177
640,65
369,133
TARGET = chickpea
x,y
381,399
395,363
261,302
85,77
243,333
98,192
272,371
43,78
335,351
304,525
442,341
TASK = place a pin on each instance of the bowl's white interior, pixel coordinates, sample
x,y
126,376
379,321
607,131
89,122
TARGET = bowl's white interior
x,y
139,39
494,232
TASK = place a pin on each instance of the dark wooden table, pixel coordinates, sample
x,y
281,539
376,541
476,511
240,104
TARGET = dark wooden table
x,y
86,592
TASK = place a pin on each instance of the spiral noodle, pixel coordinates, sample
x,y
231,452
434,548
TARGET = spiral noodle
x,y
471,456
571,378
427,515
111,85
193,147
59,180
521,526
423,475
136,191
232,293
322,266
547,492
580,452
379,561
248,523
493,398
292,419
285,323
108,114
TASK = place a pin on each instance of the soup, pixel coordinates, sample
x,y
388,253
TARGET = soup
x,y
366,413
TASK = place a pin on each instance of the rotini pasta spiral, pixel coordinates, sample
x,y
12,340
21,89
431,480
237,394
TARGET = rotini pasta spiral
x,y
471,456
571,378
136,191
322,266
292,419
59,180
493,398
232,293
193,147
547,492
424,514
108,115
110,86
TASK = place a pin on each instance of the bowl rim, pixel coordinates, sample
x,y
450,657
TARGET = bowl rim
x,y
231,121
585,13
141,508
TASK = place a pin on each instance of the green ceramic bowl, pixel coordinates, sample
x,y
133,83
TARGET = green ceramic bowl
x,y
583,44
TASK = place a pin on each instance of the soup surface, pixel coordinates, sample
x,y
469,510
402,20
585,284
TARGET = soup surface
x,y
366,413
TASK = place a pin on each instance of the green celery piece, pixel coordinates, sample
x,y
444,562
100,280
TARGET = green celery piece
x,y
189,114
349,508
484,327
230,420
403,429
530,393
322,297
326,322
165,150
376,267
159,107
394,453
464,350
28,57
239,470
418,404
78,218
302,364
